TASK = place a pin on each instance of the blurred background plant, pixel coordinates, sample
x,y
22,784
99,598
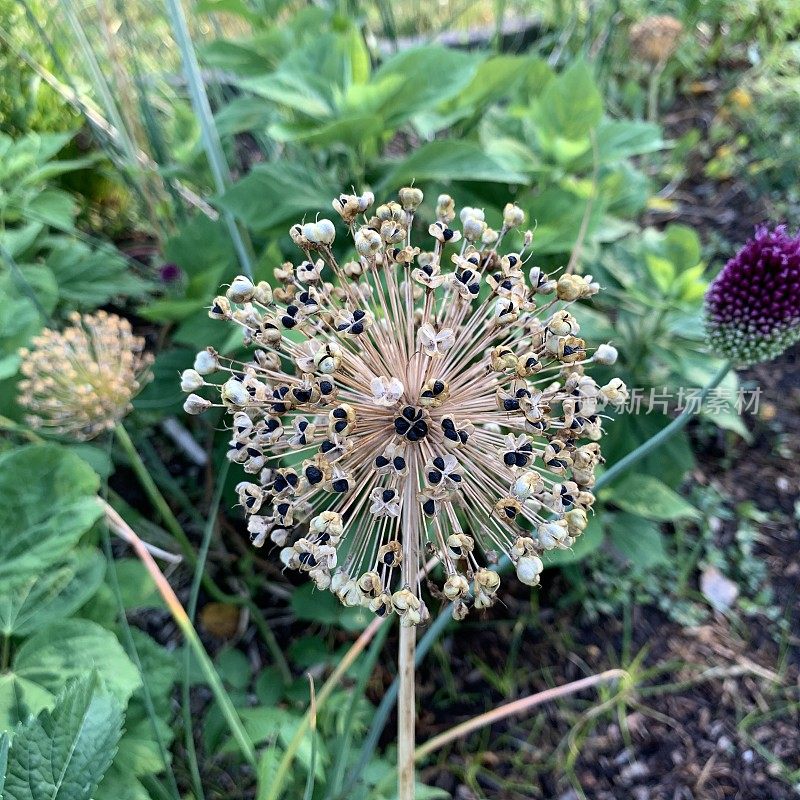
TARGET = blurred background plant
x,y
150,152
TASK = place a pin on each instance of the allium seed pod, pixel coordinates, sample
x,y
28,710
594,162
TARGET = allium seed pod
x,y
427,408
655,38
753,305
80,381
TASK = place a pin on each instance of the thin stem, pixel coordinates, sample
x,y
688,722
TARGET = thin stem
x,y
5,655
406,712
153,494
274,790
183,622
663,435
516,707
191,750
174,527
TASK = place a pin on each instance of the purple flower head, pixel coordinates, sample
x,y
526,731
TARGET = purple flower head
x,y
170,273
753,305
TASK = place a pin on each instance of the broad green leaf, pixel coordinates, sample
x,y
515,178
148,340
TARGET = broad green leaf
x,y
53,207
63,754
639,540
20,699
278,193
72,648
586,543
621,139
402,86
451,161
311,605
202,249
89,278
31,602
49,501
571,105
649,498
136,586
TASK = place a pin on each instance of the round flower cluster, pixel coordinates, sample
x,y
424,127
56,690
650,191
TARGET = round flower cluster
x,y
80,381
654,39
404,405
753,305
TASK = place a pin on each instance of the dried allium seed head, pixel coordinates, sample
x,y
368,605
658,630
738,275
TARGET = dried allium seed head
x,y
80,381
430,402
655,38
753,305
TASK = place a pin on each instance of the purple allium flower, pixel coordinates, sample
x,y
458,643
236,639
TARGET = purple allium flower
x,y
169,273
753,305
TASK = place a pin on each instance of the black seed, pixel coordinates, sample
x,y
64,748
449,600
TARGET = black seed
x,y
509,459
381,610
388,559
341,485
399,463
438,462
434,477
340,425
452,435
387,495
463,436
438,387
302,395
358,314
325,387
521,459
447,234
307,559
314,475
250,502
339,413
401,426
253,453
357,328
448,424
429,508
474,288
381,461
510,405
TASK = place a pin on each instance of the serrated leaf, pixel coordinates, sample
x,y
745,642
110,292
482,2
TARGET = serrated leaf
x,y
20,699
49,501
72,648
63,754
649,498
32,602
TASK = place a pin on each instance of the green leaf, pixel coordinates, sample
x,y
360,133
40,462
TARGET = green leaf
x,y
31,602
451,161
649,498
639,540
72,648
312,605
49,501
277,193
571,105
4,741
63,754
20,699
87,279
53,207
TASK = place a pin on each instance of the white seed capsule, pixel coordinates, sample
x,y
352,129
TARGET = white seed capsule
x,y
206,361
455,586
194,404
191,379
605,354
529,570
233,391
241,290
513,215
368,242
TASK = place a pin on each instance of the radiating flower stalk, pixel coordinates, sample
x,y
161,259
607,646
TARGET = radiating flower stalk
x,y
79,382
402,404
654,41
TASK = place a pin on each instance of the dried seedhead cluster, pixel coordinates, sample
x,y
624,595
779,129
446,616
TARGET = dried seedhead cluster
x,y
80,381
408,404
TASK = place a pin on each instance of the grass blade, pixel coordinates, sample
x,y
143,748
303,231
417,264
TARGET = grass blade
x,y
208,128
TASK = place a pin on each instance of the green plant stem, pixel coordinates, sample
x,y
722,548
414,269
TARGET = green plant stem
x,y
678,424
191,610
155,497
174,527
440,623
5,654
190,634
